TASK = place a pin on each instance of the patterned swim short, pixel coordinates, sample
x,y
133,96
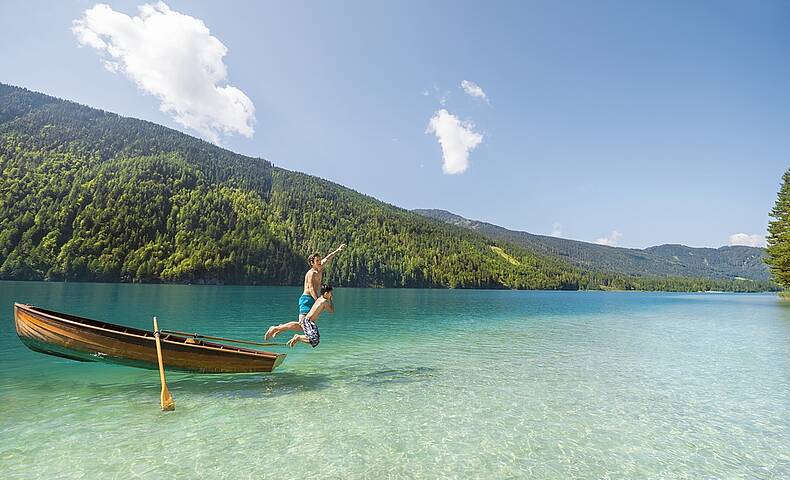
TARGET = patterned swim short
x,y
311,330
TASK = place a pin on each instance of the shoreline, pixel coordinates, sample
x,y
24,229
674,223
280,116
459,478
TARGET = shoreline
x,y
784,295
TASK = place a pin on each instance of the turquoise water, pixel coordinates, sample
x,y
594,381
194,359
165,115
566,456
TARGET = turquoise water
x,y
414,384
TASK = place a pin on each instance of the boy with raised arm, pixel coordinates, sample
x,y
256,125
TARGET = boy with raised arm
x,y
311,292
311,334
306,322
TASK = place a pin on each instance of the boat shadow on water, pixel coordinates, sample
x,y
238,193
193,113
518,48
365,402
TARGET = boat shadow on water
x,y
249,386
272,385
128,383
228,386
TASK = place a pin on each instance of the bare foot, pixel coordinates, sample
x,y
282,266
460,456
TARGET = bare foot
x,y
293,341
270,333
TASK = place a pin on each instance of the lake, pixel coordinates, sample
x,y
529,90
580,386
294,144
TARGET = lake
x,y
414,384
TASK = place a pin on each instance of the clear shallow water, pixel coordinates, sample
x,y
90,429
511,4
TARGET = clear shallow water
x,y
414,384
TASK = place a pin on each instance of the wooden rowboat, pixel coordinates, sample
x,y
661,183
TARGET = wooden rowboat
x,y
88,340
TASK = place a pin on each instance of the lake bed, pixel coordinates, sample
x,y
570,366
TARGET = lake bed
x,y
414,384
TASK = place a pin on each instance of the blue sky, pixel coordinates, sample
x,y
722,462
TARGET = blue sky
x,y
635,123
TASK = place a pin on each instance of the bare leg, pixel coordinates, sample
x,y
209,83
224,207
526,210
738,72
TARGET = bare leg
x,y
297,338
274,330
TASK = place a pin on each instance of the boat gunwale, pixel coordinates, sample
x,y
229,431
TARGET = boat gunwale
x,y
220,347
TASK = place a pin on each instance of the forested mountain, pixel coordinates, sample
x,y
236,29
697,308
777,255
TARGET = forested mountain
x,y
659,261
729,261
90,195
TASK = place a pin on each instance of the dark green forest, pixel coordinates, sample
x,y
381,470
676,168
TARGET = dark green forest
x,y
87,195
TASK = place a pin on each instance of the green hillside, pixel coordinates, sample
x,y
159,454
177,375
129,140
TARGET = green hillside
x,y
87,195
728,262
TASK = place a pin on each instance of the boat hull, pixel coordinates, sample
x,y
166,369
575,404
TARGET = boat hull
x,y
87,340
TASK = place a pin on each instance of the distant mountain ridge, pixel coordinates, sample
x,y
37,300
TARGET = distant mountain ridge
x,y
728,262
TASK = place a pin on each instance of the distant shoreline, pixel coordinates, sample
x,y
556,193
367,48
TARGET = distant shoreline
x,y
782,294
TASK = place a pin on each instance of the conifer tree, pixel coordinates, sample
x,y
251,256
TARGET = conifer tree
x,y
779,235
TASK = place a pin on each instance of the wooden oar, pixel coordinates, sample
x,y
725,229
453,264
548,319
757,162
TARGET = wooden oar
x,y
166,400
222,339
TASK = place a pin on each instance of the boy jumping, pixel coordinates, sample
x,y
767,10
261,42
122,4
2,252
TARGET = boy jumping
x,y
307,321
311,292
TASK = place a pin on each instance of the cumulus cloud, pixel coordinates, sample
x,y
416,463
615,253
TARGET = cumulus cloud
x,y
473,90
556,230
457,139
175,58
753,240
611,240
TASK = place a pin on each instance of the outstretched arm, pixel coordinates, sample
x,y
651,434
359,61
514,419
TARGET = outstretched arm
x,y
321,305
326,259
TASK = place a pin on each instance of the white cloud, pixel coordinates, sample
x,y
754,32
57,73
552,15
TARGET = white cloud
x,y
611,240
175,58
473,90
753,240
457,139
556,230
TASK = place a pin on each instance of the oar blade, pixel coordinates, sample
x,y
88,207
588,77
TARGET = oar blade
x,y
166,400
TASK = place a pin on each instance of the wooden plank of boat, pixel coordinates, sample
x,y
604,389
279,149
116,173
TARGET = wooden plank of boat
x,y
89,340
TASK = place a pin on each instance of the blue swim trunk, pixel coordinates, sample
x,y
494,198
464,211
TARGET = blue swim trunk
x,y
305,303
